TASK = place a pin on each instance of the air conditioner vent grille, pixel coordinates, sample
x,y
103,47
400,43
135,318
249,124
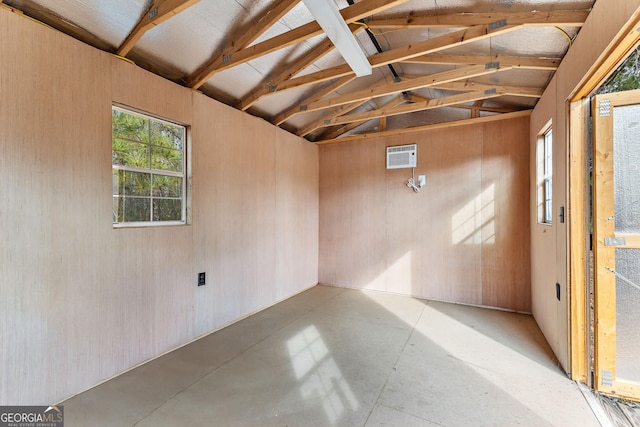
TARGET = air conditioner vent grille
x,y
402,156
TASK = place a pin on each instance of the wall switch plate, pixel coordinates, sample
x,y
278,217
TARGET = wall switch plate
x,y
422,180
201,279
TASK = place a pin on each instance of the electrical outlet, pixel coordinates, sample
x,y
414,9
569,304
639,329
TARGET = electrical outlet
x,y
201,279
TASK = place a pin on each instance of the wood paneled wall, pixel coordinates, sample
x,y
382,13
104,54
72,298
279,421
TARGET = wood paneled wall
x,y
81,301
463,238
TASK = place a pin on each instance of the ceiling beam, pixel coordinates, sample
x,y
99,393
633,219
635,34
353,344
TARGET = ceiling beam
x,y
456,38
532,63
464,122
344,109
571,18
427,104
350,14
408,85
418,98
158,12
342,130
475,108
471,86
446,41
288,71
242,38
398,100
297,109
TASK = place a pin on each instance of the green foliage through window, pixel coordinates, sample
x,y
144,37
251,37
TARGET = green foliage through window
x,y
626,76
148,160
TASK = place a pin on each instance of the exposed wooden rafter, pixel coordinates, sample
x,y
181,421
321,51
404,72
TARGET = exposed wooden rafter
x,y
454,39
530,63
427,104
407,85
350,14
288,71
471,86
418,98
158,12
449,124
334,133
298,108
241,39
419,103
572,18
344,109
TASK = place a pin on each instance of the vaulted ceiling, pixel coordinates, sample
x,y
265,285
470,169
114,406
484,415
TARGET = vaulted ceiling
x,y
434,61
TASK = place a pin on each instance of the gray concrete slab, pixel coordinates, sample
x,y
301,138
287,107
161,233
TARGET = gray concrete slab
x,y
337,357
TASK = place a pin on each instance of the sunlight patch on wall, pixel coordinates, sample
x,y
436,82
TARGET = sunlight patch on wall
x,y
319,374
474,224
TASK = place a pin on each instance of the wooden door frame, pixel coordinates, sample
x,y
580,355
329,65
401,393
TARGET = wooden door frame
x,y
578,195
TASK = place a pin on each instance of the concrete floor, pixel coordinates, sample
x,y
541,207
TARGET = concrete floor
x,y
337,357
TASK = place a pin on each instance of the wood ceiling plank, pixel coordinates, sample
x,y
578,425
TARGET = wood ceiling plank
x,y
350,14
288,71
550,64
297,108
427,104
435,44
158,12
407,85
571,18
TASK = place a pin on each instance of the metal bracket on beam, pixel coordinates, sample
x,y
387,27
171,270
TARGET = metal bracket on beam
x,y
273,89
491,65
490,91
226,59
153,13
304,107
497,24
327,121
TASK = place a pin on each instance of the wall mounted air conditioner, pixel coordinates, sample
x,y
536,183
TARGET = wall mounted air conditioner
x,y
402,156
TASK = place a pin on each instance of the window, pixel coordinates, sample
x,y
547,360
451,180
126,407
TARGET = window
x,y
148,161
545,175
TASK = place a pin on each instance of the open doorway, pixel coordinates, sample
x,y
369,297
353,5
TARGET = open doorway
x,y
604,193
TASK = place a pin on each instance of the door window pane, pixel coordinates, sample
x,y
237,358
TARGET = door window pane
x,y
628,315
626,164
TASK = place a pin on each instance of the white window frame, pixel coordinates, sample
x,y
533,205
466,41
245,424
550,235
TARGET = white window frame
x,y
545,175
183,174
